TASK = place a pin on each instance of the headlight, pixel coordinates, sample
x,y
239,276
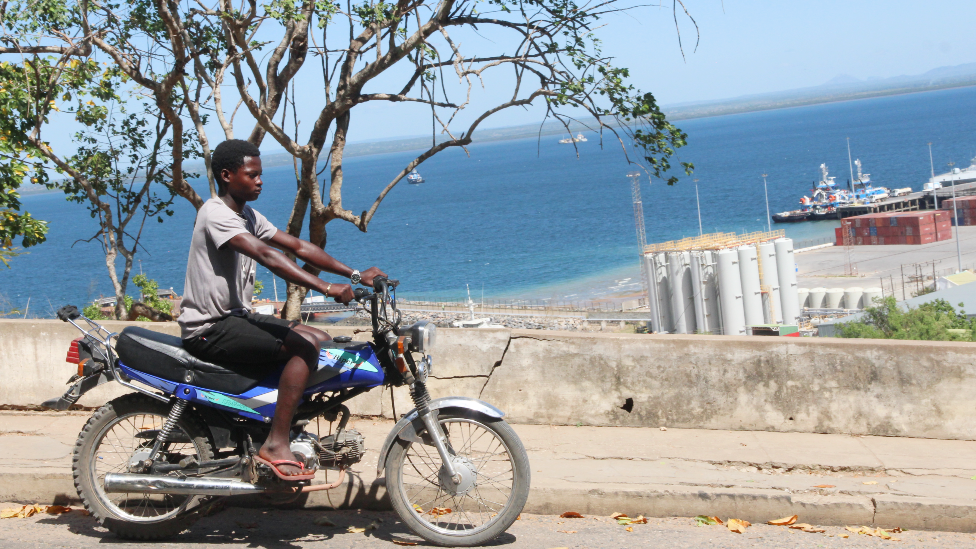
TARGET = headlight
x,y
422,336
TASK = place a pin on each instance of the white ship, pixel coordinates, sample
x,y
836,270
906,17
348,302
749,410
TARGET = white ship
x,y
956,177
578,139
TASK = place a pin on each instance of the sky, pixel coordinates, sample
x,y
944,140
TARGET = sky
x,y
744,47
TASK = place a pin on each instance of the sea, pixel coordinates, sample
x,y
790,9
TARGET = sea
x,y
533,219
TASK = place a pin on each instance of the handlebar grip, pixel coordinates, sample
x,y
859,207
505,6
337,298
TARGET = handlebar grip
x,y
68,312
380,283
360,293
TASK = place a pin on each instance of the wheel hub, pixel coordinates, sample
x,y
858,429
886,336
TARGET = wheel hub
x,y
137,463
466,477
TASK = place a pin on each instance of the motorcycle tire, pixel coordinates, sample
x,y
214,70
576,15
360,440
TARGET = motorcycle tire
x,y
132,412
446,520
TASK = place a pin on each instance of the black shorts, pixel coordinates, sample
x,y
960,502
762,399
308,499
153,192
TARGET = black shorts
x,y
249,340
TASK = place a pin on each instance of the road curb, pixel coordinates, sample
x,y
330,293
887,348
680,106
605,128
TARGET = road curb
x,y
882,510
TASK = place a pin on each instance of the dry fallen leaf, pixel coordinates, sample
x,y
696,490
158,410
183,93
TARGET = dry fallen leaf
x,y
825,486
639,520
402,542
870,482
737,526
704,520
323,521
845,536
354,530
570,514
804,527
629,529
437,511
618,515
785,521
567,531
57,509
418,508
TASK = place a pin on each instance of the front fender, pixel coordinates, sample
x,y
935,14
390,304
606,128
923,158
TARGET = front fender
x,y
410,424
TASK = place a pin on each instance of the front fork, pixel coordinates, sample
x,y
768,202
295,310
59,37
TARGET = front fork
x,y
421,399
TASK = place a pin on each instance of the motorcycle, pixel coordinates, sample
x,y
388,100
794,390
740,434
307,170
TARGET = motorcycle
x,y
150,463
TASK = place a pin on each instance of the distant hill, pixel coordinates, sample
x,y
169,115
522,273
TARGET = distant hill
x,y
840,88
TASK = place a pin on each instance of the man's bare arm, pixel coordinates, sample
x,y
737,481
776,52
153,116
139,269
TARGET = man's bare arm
x,y
317,257
311,253
280,265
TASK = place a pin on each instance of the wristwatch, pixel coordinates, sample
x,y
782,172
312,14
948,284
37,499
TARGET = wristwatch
x,y
354,277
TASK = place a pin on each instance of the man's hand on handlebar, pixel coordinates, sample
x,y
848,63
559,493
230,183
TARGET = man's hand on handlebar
x,y
342,293
369,274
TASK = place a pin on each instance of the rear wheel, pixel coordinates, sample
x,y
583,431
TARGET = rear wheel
x,y
494,486
120,432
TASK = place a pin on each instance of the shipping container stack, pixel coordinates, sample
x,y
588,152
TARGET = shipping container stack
x,y
965,209
898,228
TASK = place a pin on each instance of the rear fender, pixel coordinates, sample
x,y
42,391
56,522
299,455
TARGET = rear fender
x,y
79,388
411,424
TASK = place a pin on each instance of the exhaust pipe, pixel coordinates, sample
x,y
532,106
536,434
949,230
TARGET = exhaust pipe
x,y
150,484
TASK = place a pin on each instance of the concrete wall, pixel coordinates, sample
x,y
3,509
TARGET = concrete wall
x,y
896,388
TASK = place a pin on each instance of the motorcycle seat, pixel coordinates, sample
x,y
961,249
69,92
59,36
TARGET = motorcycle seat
x,y
163,356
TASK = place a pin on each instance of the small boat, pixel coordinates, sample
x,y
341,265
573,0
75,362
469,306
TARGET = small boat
x,y
578,139
791,216
414,178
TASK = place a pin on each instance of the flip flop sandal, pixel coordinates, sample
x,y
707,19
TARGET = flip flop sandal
x,y
274,468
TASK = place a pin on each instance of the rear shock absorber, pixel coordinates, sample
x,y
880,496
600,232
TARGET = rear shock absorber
x,y
174,415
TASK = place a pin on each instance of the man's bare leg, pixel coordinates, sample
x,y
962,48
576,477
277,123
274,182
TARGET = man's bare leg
x,y
303,355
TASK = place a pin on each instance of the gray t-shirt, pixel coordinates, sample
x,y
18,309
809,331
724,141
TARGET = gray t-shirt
x,y
219,281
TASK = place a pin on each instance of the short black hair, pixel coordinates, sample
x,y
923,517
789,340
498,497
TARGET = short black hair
x,y
229,155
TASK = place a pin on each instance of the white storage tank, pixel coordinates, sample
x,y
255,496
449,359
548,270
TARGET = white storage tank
x,y
730,293
682,292
816,300
833,298
713,311
870,294
698,265
786,271
852,298
751,291
653,293
770,278
660,262
803,297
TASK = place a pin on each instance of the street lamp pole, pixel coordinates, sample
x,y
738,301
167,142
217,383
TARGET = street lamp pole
x,y
769,219
935,192
955,216
698,203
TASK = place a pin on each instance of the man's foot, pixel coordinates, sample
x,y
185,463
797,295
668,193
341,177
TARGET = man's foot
x,y
272,455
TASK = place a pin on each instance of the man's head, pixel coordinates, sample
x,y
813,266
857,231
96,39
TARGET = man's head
x,y
236,165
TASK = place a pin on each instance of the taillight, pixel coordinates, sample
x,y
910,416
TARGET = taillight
x,y
73,356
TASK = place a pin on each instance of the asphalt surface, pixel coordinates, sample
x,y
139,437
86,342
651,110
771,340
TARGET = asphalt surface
x,y
286,529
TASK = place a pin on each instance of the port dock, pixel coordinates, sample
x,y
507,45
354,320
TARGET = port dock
x,y
908,203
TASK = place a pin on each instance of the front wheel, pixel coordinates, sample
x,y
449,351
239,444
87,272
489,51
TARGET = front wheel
x,y
494,481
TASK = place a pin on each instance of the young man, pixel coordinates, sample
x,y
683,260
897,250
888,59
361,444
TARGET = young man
x,y
229,239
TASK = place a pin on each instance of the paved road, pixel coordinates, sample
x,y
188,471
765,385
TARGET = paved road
x,y
284,529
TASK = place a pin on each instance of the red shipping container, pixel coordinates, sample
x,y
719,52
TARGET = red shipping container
x,y
913,240
881,240
927,238
874,240
838,234
859,241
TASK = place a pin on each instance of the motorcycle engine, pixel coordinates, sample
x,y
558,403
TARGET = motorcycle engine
x,y
342,449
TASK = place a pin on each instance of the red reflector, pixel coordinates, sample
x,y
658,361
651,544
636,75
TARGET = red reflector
x,y
73,352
